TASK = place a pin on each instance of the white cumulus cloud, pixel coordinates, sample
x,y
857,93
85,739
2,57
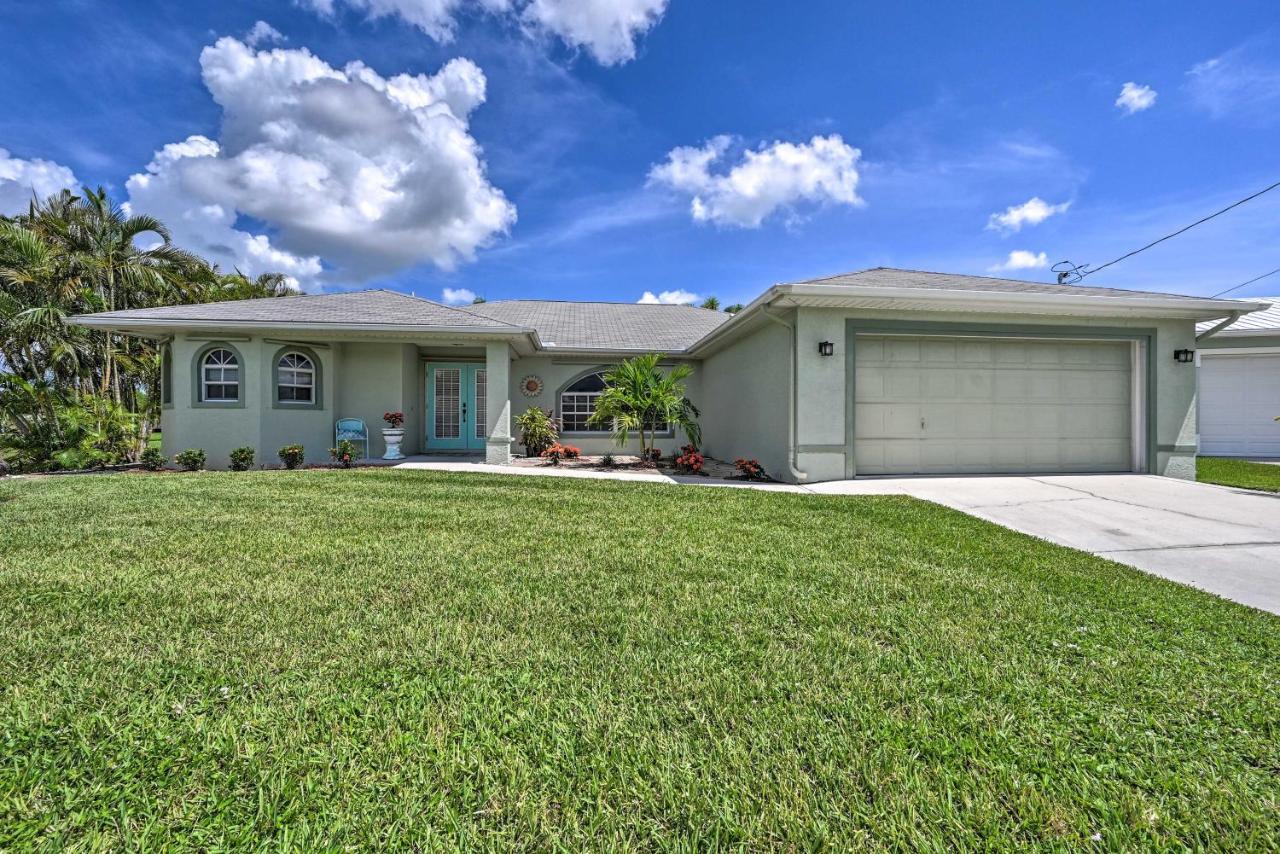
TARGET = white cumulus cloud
x,y
320,167
776,177
607,29
1031,212
1134,98
263,33
21,180
458,296
1021,259
676,297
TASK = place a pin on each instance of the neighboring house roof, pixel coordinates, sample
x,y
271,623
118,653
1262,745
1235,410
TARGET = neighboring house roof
x,y
608,325
380,308
1265,322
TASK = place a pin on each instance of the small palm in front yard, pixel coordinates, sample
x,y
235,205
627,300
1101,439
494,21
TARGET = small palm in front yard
x,y
393,660
639,397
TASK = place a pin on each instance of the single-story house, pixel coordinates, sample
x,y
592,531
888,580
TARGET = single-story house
x,y
1239,373
877,372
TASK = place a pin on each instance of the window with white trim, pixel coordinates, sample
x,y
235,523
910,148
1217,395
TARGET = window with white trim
x,y
578,403
220,377
295,379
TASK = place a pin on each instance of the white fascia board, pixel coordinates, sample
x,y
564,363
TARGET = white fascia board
x,y
1001,301
131,324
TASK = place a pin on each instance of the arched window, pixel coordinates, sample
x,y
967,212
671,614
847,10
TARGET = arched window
x,y
220,377
578,401
166,374
295,379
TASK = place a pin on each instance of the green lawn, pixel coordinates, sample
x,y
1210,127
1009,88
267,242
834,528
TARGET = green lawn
x,y
1230,472
380,659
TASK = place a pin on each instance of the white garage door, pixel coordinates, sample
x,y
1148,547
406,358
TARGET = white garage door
x,y
1239,401
937,405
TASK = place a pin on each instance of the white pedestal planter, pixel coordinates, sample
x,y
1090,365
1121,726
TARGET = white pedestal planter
x,y
393,438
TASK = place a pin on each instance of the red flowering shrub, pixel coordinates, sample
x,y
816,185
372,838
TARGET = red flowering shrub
x,y
558,452
750,469
393,419
690,460
651,456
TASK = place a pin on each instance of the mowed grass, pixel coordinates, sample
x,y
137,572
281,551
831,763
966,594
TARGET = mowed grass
x,y
1242,473
377,659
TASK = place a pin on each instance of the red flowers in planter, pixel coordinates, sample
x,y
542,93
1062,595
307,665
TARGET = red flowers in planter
x,y
558,452
690,460
393,419
750,469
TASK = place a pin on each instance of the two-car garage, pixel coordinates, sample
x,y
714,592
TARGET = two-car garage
x,y
937,404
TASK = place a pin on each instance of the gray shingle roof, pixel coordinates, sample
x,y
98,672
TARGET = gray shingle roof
x,y
608,325
357,307
888,277
1267,320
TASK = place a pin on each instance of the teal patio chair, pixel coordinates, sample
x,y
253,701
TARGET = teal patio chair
x,y
352,430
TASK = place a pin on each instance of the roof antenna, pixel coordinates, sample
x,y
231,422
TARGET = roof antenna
x,y
1070,274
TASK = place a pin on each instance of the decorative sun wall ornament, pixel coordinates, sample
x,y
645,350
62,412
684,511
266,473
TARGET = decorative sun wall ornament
x,y
531,386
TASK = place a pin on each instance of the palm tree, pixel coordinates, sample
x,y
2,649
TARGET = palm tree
x,y
711,303
74,254
103,253
237,285
733,309
639,397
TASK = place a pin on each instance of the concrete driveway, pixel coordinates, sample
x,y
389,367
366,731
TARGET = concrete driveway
x,y
1223,540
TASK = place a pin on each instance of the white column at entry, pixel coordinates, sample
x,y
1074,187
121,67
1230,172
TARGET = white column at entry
x,y
497,365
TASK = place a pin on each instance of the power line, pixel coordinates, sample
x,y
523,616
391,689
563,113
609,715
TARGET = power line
x,y
1242,284
1069,270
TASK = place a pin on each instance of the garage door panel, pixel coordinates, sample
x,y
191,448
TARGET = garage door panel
x,y
898,350
1239,400
991,405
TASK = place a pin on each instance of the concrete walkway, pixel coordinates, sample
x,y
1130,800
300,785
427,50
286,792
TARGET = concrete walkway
x,y
1220,539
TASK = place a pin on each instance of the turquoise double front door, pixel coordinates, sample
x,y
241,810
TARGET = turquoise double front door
x,y
456,411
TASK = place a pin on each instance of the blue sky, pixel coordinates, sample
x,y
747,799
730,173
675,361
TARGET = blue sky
x,y
815,138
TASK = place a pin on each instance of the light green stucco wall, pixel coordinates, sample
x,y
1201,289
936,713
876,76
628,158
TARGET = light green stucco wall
x,y
557,372
745,389
358,380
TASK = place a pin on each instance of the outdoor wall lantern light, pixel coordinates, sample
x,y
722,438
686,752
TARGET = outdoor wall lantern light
x,y
826,348
1184,356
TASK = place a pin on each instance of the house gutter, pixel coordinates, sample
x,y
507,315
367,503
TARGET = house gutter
x,y
1218,327
792,405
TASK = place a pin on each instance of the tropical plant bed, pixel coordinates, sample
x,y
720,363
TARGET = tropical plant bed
x,y
712,468
400,660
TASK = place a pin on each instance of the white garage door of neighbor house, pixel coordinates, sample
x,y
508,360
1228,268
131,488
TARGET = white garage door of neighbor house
x,y
941,405
1239,401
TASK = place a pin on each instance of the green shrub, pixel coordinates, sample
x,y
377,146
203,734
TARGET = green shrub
x,y
192,459
538,431
152,459
242,459
345,454
292,456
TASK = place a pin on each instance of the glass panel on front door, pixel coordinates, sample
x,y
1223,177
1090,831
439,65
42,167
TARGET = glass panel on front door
x,y
456,399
